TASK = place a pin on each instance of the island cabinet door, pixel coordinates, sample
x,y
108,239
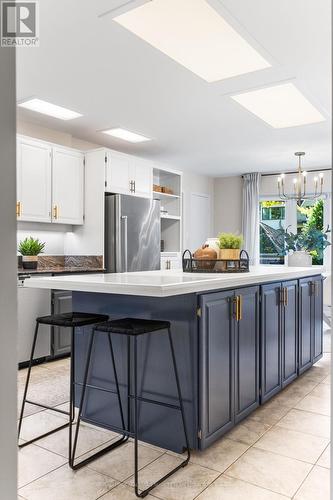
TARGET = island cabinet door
x,y
271,379
317,324
305,324
289,309
216,366
246,351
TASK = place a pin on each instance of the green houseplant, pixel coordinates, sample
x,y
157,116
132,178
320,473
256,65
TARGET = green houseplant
x,y
312,240
230,245
30,248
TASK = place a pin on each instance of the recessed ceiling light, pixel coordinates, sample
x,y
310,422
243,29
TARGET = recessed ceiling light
x,y
192,33
126,135
280,106
46,108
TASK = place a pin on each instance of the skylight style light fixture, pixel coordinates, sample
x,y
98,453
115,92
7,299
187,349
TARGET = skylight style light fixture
x,y
299,184
126,135
193,34
46,108
280,106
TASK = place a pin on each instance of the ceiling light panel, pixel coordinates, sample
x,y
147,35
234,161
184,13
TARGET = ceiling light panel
x,y
280,106
126,135
192,33
46,108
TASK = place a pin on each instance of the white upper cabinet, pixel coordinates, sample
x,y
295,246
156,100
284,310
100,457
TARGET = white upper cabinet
x,y
67,186
142,173
127,174
50,182
118,167
33,181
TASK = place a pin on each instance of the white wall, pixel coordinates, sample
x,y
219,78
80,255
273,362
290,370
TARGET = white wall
x,y
51,135
228,204
52,235
8,270
201,184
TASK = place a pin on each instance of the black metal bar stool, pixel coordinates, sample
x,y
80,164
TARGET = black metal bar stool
x,y
132,328
70,320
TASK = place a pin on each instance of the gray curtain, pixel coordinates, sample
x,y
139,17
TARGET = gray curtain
x,y
250,215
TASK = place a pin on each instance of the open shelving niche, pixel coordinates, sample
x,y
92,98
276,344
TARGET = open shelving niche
x,y
171,221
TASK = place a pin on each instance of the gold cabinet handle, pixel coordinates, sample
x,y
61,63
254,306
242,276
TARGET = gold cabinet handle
x,y
240,314
286,296
55,212
18,209
238,301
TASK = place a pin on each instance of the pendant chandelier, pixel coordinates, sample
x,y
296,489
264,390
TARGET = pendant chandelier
x,y
300,185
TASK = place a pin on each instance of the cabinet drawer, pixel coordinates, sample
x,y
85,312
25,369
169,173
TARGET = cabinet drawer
x,y
171,261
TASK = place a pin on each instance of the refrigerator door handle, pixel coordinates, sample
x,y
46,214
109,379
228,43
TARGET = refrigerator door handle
x,y
124,255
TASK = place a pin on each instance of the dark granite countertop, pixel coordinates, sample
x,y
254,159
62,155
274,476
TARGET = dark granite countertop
x,y
64,264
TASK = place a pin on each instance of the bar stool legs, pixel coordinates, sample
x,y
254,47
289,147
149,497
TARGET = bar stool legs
x,y
25,400
113,445
136,424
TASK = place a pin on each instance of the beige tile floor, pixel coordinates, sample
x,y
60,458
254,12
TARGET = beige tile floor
x,y
279,452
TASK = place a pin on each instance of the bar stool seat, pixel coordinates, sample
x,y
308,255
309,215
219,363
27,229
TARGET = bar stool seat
x,y
72,319
68,320
132,328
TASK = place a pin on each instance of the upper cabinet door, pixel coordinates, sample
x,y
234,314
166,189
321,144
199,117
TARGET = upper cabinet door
x,y
142,175
118,174
33,181
67,186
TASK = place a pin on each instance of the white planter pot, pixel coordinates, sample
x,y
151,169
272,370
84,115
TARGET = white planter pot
x,y
299,259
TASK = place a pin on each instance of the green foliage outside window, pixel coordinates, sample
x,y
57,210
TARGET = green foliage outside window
x,y
314,220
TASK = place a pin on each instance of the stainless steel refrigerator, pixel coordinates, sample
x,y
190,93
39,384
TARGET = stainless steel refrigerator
x,y
132,234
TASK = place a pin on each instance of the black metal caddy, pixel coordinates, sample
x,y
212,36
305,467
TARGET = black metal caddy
x,y
192,265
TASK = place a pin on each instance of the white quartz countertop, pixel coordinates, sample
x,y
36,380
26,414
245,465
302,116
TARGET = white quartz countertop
x,y
169,283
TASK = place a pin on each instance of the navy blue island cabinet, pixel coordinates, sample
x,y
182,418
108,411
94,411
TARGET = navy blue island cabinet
x,y
279,336
310,321
228,360
234,348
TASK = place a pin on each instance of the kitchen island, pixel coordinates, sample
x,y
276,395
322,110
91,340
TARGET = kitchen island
x,y
239,340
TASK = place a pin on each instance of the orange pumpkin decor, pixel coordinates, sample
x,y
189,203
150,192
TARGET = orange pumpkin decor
x,y
207,254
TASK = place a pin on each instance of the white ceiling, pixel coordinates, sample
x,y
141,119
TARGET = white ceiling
x,y
94,66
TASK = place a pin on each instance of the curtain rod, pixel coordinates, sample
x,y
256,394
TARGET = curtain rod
x,y
295,172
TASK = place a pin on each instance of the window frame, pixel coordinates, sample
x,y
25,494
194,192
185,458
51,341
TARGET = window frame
x,y
291,221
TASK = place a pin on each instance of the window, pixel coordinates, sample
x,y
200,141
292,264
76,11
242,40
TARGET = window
x,y
310,214
272,218
276,214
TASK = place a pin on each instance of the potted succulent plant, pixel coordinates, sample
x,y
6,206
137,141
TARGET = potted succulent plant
x,y
301,246
230,245
30,248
